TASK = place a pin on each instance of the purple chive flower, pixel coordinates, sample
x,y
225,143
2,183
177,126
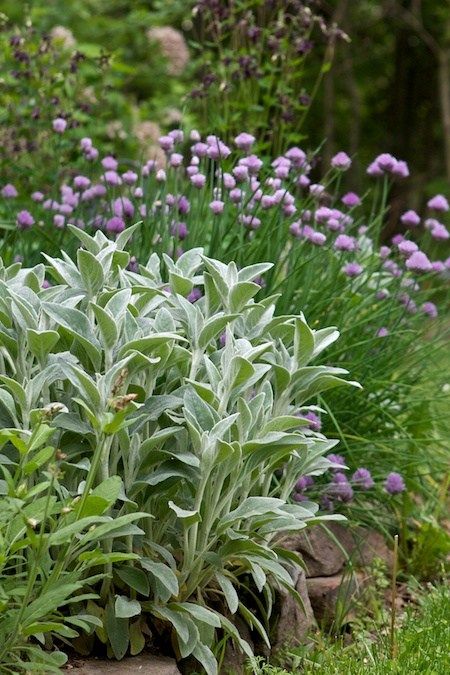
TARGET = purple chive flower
x,y
299,497
110,163
123,207
317,238
229,181
397,239
129,177
240,172
253,164
385,161
37,196
58,221
297,156
336,459
81,182
176,159
400,169
438,203
439,232
303,483
315,423
9,191
191,170
112,178
438,266
418,262
133,265
183,205
179,230
296,229
340,488
316,189
59,125
244,141
345,243
352,269
138,193
303,181
250,221
384,252
410,218
394,483
177,135
198,180
430,309
216,149
166,142
194,135
407,247
24,220
363,478
194,295
115,225
382,332
86,144
351,199
161,176
341,161
217,206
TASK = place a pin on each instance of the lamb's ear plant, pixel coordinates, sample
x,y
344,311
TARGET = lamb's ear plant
x,y
180,421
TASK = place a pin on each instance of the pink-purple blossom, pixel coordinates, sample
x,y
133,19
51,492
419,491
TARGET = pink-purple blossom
x,y
410,218
59,125
438,203
394,483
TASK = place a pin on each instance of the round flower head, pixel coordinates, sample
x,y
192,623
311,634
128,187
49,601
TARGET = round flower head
x,y
382,332
24,220
59,125
400,169
430,309
58,221
340,488
81,182
384,252
115,225
179,230
438,203
123,208
315,423
112,178
86,144
304,482
194,135
418,262
363,478
351,199
244,141
166,142
217,206
385,161
336,459
410,218
129,177
438,266
198,180
183,205
110,163
216,149
316,189
440,232
253,164
9,191
37,196
341,161
296,156
176,159
394,484
352,269
345,243
317,238
299,497
407,247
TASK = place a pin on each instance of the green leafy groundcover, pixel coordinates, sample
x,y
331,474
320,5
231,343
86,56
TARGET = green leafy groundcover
x,y
150,447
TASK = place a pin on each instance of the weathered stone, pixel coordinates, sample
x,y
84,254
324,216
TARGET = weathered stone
x,y
332,596
324,557
145,664
294,621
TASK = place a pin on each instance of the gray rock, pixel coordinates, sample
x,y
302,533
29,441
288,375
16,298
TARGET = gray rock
x,y
144,664
324,557
333,597
294,621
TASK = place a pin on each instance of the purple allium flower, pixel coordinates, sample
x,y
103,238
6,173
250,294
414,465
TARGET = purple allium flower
x,y
408,303
351,199
217,206
244,141
191,170
253,164
438,203
384,252
440,232
110,163
341,161
138,193
382,294
91,154
115,225
397,239
317,238
296,229
177,135
194,295
198,180
59,221
250,221
229,181
129,177
161,176
363,478
303,181
59,125
400,169
340,488
407,247
352,269
362,229
24,220
183,205
200,149
430,309
394,483
216,149
345,243
296,156
418,262
304,482
410,218
438,266
123,207
176,159
9,191
133,265
385,161
81,182
299,497
194,135
336,459
382,332
315,423
86,144
37,196
316,189
236,195
180,230
166,142
112,178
